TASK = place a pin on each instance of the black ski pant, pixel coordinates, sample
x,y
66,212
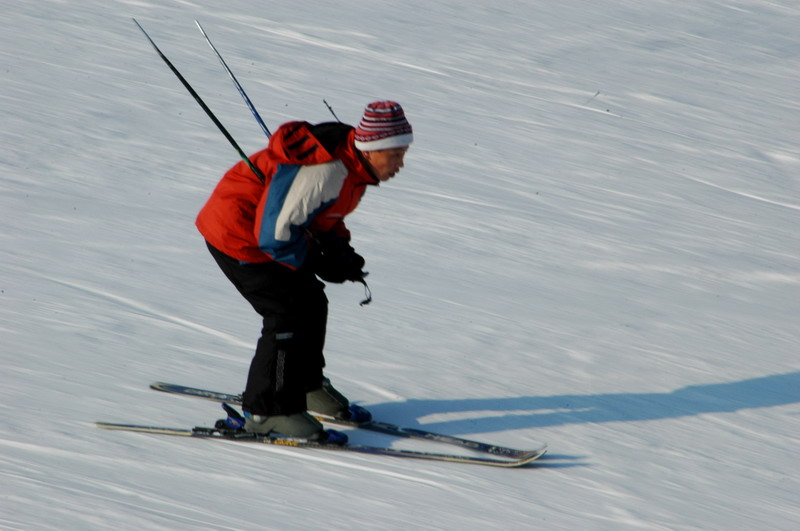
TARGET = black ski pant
x,y
288,361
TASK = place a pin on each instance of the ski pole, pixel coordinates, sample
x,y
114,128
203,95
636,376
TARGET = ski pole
x,y
202,104
241,89
331,110
236,83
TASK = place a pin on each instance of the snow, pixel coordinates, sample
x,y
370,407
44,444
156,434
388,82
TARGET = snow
x,y
594,243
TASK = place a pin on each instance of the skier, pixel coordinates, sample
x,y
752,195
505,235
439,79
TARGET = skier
x,y
273,239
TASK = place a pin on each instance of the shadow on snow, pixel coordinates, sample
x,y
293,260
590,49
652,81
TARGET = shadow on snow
x,y
499,414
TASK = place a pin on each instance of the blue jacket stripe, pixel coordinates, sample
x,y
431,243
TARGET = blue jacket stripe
x,y
283,223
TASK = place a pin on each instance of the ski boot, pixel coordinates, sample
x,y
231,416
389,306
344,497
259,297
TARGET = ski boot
x,y
329,402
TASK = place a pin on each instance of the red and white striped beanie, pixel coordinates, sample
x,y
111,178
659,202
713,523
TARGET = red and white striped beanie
x,y
383,126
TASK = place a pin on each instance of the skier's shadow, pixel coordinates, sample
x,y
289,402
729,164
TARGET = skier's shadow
x,y
484,415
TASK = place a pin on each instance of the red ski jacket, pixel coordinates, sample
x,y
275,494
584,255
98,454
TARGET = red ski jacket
x,y
314,178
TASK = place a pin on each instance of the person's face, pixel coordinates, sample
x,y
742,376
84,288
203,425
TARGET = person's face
x,y
385,163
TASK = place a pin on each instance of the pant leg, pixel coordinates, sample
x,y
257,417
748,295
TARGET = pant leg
x,y
289,359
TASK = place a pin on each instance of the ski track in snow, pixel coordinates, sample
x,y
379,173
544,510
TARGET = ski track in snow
x,y
744,194
151,312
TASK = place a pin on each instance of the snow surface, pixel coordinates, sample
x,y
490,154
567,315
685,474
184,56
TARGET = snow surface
x,y
594,243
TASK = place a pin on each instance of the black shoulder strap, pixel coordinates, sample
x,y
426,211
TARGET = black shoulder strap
x,y
331,134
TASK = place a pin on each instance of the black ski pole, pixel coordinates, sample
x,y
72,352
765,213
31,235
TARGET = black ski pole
x,y
202,104
331,109
236,83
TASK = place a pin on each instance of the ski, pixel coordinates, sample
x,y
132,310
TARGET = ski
x,y
240,436
376,426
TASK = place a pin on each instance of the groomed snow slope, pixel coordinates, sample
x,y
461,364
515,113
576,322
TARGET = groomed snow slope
x,y
594,243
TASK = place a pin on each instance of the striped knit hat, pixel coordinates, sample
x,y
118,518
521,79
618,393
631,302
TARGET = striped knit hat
x,y
384,126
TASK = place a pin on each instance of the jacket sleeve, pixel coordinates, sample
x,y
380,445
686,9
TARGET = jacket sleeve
x,y
295,195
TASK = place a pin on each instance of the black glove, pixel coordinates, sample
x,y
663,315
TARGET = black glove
x,y
337,261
